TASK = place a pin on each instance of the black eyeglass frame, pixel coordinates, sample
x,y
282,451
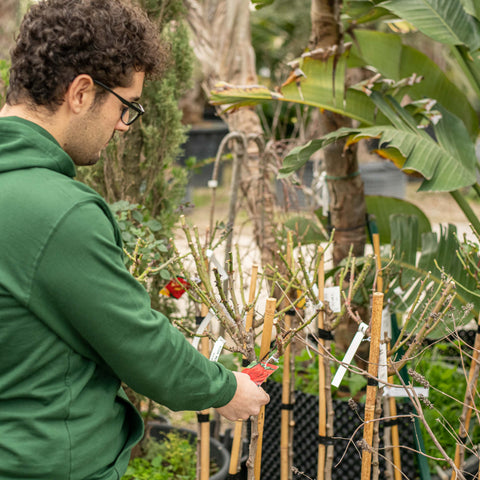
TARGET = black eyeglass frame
x,y
133,105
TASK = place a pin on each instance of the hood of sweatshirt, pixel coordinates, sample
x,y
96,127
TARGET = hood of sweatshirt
x,y
24,144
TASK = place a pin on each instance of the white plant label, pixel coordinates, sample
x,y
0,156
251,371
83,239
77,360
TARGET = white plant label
x,y
332,296
400,391
352,349
201,328
217,349
385,333
217,264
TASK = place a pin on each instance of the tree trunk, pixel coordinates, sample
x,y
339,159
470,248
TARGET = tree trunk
x,y
345,186
223,45
9,19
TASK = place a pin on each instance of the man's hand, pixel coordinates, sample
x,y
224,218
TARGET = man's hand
x,y
247,401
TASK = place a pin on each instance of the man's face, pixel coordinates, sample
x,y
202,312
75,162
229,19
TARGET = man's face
x,y
92,131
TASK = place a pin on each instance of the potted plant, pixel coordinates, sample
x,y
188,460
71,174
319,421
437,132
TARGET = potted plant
x,y
171,455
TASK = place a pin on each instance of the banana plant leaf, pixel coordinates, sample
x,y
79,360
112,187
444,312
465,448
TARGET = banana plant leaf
x,y
382,208
445,21
318,84
394,60
415,253
472,7
437,259
470,66
446,164
379,208
363,11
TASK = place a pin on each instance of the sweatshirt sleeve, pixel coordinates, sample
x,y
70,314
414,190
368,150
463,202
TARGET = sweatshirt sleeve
x,y
83,292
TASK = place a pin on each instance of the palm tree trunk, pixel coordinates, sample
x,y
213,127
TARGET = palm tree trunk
x,y
9,19
223,46
345,186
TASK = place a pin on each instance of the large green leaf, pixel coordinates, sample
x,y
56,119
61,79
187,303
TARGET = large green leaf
x,y
382,208
321,84
445,21
446,166
453,140
442,171
359,11
379,208
387,54
437,259
306,230
472,7
470,66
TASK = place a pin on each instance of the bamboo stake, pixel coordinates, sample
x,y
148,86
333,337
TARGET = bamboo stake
x,y
395,437
468,405
264,349
286,430
375,332
204,467
376,439
237,434
322,405
378,261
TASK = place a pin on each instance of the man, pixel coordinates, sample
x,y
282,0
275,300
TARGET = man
x,y
73,322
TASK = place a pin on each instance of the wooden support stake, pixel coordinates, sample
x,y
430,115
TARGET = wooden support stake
x,y
237,434
264,349
378,261
322,401
468,405
395,437
286,411
369,417
204,468
286,425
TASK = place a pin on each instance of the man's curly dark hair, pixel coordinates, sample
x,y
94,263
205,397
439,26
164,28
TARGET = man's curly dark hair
x,y
60,39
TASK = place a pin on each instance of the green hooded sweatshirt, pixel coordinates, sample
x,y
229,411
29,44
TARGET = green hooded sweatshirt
x,y
74,323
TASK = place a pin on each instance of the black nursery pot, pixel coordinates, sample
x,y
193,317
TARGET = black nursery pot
x,y
218,453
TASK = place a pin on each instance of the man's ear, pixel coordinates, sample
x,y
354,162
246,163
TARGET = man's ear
x,y
80,94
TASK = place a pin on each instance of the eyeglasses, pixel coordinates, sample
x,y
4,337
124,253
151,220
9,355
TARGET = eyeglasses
x,y
131,111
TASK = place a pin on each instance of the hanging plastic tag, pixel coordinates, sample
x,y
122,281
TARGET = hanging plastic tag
x,y
217,264
259,372
399,391
352,349
385,334
217,349
324,194
332,296
201,328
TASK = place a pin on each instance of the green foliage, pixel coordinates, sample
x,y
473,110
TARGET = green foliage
x,y
445,21
437,258
279,35
383,50
446,164
442,369
147,250
141,166
4,79
139,234
379,208
262,3
174,458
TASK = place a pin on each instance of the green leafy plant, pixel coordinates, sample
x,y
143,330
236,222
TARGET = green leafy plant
x,y
145,248
173,458
4,79
441,367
